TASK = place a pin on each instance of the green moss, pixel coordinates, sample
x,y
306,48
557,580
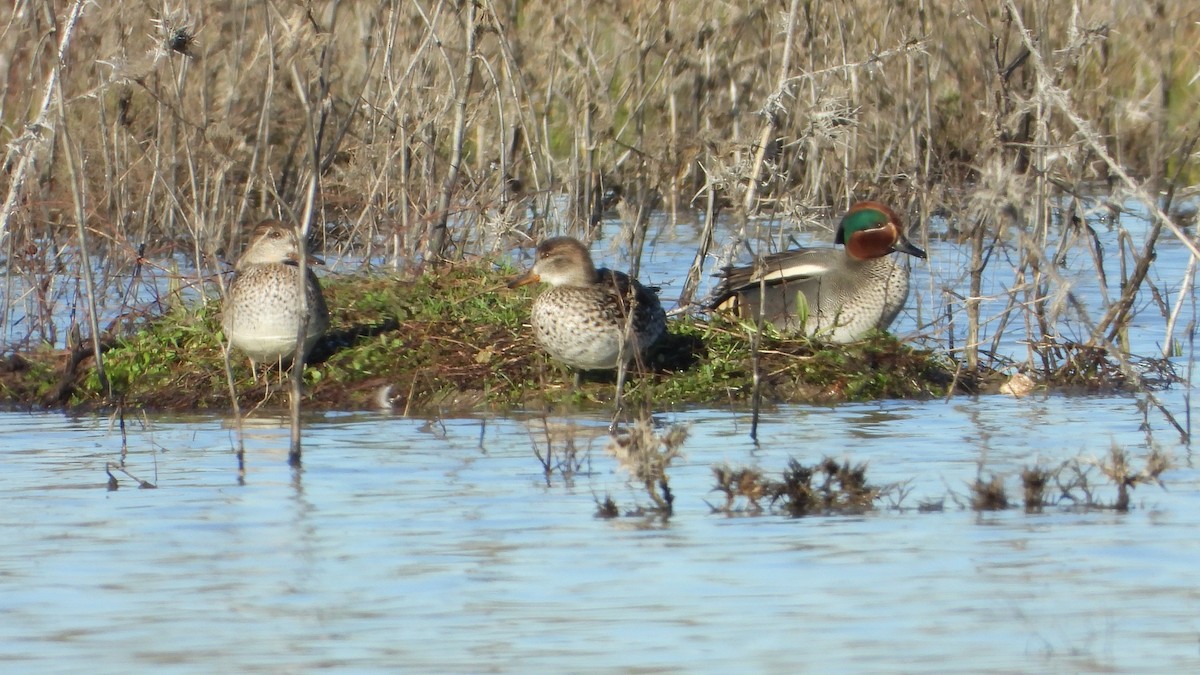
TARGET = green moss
x,y
457,339
155,357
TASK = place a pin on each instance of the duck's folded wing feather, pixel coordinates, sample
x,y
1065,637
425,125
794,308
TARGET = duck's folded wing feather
x,y
620,283
792,267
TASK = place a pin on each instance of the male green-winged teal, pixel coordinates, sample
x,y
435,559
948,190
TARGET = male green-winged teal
x,y
262,314
833,295
581,319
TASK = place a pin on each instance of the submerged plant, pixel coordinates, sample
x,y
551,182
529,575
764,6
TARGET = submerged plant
x,y
1118,470
744,483
1034,481
646,455
1075,482
827,487
561,448
989,495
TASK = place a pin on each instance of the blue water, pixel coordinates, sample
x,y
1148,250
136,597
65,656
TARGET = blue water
x,y
441,545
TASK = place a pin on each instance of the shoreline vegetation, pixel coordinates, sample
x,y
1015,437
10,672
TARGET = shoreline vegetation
x,y
437,136
458,341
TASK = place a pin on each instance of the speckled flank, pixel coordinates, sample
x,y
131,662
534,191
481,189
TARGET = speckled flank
x,y
262,310
584,327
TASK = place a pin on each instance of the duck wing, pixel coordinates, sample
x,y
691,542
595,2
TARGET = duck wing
x,y
786,267
621,285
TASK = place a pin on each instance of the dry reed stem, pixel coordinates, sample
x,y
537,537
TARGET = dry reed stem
x,y
29,145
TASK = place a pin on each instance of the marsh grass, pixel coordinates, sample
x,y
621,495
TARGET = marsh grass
x,y
435,131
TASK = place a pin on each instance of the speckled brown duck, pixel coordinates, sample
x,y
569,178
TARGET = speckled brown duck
x,y
581,318
262,311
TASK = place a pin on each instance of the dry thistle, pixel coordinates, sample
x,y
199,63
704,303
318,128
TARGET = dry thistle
x,y
646,455
1118,470
173,33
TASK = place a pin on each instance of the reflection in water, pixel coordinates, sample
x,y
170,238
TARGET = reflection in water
x,y
442,545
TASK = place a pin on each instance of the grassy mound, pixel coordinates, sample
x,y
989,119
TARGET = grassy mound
x,y
457,340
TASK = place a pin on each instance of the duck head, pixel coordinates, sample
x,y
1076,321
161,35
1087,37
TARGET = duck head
x,y
561,261
873,230
273,242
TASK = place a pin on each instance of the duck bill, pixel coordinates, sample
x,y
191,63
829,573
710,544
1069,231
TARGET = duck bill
x,y
525,279
906,246
310,259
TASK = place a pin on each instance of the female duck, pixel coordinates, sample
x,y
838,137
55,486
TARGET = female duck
x,y
832,295
262,311
581,320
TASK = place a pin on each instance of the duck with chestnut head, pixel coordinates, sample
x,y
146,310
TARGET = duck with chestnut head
x,y
836,295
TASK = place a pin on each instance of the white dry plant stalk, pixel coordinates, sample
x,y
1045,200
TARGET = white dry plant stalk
x,y
32,143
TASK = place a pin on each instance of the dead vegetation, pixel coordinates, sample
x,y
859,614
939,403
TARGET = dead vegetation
x,y
427,132
1074,484
829,487
825,488
645,454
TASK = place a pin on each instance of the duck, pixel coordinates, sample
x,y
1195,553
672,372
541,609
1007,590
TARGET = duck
x,y
830,294
262,313
581,319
